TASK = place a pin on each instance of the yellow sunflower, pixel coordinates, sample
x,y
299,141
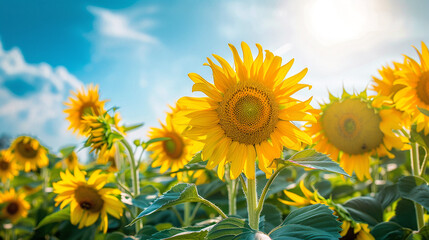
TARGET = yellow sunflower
x,y
350,129
70,161
175,152
415,93
88,199
351,229
14,205
8,168
386,88
247,113
108,156
83,103
29,153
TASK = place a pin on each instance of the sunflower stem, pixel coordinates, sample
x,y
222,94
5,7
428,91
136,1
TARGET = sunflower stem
x,y
416,172
187,214
425,161
134,179
231,185
178,215
252,200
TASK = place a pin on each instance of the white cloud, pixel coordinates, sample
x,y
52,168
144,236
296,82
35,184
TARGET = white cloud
x,y
118,25
32,96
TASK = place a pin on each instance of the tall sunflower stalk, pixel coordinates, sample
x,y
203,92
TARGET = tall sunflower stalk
x,y
246,117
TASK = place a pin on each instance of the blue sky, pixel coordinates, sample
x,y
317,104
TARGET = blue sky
x,y
140,52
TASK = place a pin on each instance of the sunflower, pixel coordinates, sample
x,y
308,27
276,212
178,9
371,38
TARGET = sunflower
x,y
83,103
247,113
108,156
350,228
8,168
415,93
88,199
14,205
352,130
175,152
29,153
386,88
102,131
70,161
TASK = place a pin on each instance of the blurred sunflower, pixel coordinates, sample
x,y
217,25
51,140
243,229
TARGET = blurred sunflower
x,y
8,168
247,113
108,156
88,199
175,152
351,230
14,205
415,93
352,130
83,103
70,161
29,153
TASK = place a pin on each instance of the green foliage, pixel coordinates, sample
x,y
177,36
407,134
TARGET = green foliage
x,y
314,160
365,209
390,230
415,189
179,234
231,228
59,216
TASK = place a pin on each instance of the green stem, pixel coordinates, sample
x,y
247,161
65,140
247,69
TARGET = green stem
x,y
267,187
252,199
216,208
134,178
231,185
194,213
416,171
178,215
425,161
375,177
187,214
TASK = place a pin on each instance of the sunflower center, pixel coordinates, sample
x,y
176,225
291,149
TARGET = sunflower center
x,y
350,234
4,165
26,150
423,88
88,199
248,113
12,208
352,126
173,147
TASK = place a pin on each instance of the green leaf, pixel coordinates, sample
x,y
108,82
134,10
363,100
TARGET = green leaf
x,y
206,190
231,228
180,193
132,127
388,195
342,191
324,188
316,220
273,217
66,151
179,234
419,137
154,140
423,234
115,236
147,196
301,232
390,230
61,215
424,111
315,160
405,214
196,158
365,209
414,188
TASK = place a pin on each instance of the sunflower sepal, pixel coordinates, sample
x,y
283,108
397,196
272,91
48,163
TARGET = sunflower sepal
x,y
424,111
59,216
154,140
131,127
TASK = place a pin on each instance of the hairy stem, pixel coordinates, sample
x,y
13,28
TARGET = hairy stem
x,y
416,172
252,200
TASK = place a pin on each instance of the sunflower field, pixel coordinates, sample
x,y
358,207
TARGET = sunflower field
x,y
243,160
